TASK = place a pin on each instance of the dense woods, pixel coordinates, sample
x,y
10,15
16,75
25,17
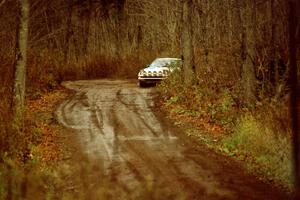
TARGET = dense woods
x,y
241,47
84,33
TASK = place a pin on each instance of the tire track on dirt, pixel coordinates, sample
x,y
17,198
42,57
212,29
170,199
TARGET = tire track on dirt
x,y
132,106
117,124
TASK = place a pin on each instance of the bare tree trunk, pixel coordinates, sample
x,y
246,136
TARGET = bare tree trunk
x,y
68,31
139,41
229,22
186,42
248,51
294,108
120,25
274,61
206,33
87,29
237,33
20,67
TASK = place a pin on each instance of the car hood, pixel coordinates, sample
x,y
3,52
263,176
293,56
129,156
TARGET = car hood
x,y
155,69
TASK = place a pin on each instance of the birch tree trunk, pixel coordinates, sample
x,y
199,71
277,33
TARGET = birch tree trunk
x,y
20,66
186,42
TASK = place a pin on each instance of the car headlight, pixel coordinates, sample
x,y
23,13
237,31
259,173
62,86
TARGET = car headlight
x,y
142,73
166,72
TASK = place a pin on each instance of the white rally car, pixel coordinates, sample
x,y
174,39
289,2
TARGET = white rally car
x,y
158,70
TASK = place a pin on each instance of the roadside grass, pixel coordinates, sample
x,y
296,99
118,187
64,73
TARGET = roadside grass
x,y
259,135
264,145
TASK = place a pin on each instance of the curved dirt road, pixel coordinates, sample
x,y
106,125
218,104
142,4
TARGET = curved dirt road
x,y
117,122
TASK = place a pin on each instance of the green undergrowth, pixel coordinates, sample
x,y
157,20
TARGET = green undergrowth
x,y
264,145
258,134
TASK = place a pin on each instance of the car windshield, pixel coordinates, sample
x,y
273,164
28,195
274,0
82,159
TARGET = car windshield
x,y
162,63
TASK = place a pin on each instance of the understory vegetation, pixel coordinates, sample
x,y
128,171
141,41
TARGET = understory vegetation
x,y
258,133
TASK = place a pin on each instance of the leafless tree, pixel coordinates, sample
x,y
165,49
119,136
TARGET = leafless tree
x,y
248,15
294,103
20,66
187,43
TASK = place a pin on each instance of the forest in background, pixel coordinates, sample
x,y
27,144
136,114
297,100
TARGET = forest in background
x,y
239,54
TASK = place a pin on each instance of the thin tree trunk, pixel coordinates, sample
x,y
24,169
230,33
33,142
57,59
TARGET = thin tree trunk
x,y
139,42
20,66
230,22
294,108
186,42
68,31
274,62
206,33
237,33
248,52
87,30
120,25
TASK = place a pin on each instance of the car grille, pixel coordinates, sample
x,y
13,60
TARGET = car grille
x,y
154,74
151,76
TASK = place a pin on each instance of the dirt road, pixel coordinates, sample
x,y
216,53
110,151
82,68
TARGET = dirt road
x,y
117,122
